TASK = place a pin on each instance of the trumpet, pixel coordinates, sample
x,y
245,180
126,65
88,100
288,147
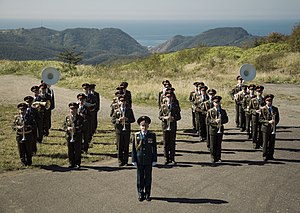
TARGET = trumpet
x,y
219,123
39,104
273,125
23,129
72,132
123,122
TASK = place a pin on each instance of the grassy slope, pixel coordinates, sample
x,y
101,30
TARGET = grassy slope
x,y
216,66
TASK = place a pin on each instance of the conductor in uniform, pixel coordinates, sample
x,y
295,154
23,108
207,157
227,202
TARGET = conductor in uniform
x,y
144,156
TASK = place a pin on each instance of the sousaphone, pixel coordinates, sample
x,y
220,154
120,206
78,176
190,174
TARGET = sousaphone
x,y
247,72
50,75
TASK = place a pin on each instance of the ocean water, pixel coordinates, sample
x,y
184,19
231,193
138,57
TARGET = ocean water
x,y
153,33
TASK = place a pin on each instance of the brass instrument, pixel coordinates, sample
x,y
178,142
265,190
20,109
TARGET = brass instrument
x,y
219,123
167,112
50,75
72,132
38,104
23,128
123,122
247,72
273,125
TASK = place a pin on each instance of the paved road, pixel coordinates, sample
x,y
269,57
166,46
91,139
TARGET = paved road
x,y
242,183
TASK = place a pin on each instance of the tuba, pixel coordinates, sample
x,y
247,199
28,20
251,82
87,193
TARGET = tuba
x,y
247,72
50,75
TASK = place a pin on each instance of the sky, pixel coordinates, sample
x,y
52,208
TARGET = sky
x,y
150,9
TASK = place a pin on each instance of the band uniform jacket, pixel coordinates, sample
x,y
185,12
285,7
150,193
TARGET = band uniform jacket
x,y
76,122
199,99
128,98
212,115
175,112
246,103
28,122
256,104
235,90
144,150
119,125
266,116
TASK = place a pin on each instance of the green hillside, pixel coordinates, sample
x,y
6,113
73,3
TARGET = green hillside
x,y
216,66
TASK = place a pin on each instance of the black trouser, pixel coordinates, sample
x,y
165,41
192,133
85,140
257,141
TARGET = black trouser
x,y
123,139
86,136
256,132
46,122
74,151
237,115
202,124
144,179
40,127
193,119
215,145
268,144
249,127
34,139
169,144
25,148
242,118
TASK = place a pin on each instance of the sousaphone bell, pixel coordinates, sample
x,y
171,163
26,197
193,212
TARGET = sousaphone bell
x,y
247,72
50,75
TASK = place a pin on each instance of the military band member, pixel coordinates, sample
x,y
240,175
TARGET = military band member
x,y
91,103
216,118
233,93
208,105
269,118
166,84
127,93
84,112
23,125
97,107
246,105
192,100
144,156
33,112
122,119
73,125
169,114
40,121
239,99
47,112
200,112
115,102
255,105
50,92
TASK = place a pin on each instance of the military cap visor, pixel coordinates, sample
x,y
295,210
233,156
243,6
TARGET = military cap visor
x,y
81,96
34,89
22,106
73,105
269,97
239,77
146,119
28,99
217,98
85,85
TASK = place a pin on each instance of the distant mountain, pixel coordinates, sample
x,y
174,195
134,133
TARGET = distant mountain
x,y
226,36
97,45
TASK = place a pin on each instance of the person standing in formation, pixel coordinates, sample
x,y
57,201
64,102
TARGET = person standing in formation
x,y
246,104
23,124
144,157
233,95
269,118
239,99
192,100
200,112
255,105
122,118
73,125
45,97
216,118
96,95
169,114
32,111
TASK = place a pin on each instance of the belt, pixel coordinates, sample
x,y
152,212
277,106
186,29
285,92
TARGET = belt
x,y
26,132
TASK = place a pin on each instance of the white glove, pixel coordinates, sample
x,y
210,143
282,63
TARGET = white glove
x,y
134,163
154,163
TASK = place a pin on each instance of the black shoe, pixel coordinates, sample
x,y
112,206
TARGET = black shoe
x,y
173,162
148,198
72,166
141,197
265,159
271,158
201,139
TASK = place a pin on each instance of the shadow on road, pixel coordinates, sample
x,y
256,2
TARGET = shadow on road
x,y
288,149
108,168
190,200
56,168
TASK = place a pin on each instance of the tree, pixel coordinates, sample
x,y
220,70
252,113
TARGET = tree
x,y
70,57
294,40
273,37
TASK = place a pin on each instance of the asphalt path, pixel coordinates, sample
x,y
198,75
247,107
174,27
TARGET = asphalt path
x,y
241,183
